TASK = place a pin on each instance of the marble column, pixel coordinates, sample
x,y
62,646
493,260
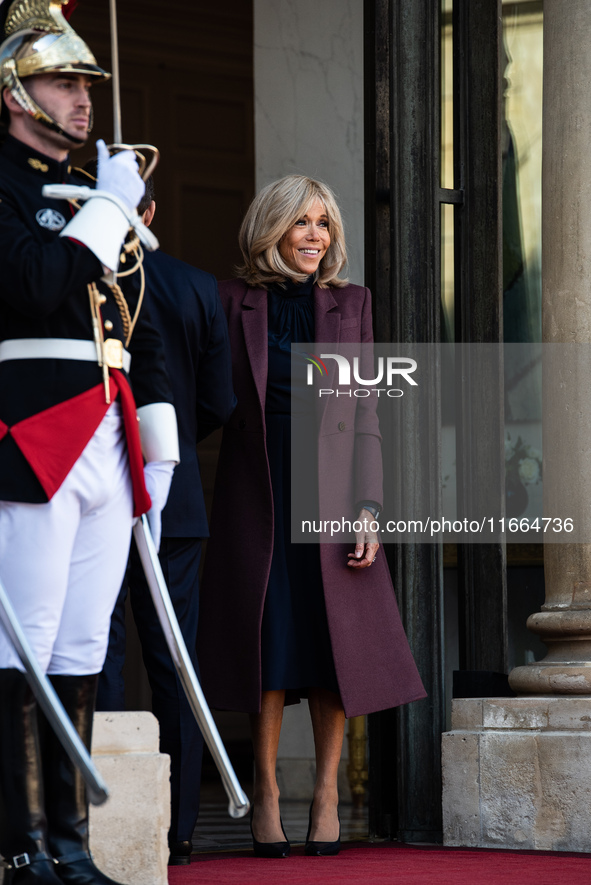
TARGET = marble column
x,y
564,623
516,771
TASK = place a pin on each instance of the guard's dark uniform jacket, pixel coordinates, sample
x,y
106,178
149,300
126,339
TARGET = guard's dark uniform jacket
x,y
43,294
187,310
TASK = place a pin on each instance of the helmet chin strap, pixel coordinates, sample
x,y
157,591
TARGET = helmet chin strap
x,y
55,127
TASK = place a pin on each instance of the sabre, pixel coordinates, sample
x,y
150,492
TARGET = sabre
x,y
238,802
50,703
115,72
146,167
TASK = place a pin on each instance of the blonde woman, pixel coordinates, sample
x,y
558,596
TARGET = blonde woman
x,y
282,621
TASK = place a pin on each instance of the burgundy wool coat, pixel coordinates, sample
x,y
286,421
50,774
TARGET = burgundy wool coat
x,y
373,662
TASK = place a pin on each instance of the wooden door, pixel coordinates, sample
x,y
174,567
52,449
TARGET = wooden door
x,y
187,87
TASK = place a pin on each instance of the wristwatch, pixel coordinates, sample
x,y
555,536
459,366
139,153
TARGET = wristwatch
x,y
375,512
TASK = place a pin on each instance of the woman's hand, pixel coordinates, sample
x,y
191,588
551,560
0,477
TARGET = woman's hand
x,y
367,545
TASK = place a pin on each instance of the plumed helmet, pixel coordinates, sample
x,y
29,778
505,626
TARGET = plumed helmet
x,y
37,39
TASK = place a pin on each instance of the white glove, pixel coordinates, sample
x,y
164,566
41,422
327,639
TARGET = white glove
x,y
158,477
119,175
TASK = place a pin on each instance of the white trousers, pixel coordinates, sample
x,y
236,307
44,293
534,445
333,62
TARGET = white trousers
x,y
62,563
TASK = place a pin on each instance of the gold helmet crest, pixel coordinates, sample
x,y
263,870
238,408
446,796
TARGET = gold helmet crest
x,y
37,39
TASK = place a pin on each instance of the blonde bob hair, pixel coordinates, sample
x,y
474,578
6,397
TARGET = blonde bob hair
x,y
272,213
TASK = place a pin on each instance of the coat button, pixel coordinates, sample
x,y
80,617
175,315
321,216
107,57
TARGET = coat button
x,y
242,424
342,425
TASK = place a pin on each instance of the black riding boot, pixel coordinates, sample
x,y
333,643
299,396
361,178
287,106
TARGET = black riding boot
x,y
23,829
65,793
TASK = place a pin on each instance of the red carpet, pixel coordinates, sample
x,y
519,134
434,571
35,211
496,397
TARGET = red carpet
x,y
388,862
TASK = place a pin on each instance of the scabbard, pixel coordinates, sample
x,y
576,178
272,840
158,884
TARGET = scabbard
x,y
238,802
50,703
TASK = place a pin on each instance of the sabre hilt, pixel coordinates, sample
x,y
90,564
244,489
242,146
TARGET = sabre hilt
x,y
146,165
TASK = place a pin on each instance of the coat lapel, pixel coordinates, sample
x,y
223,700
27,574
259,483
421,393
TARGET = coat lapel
x,y
327,317
327,330
327,322
254,324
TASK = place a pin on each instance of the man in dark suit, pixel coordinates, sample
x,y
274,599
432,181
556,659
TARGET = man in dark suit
x,y
185,307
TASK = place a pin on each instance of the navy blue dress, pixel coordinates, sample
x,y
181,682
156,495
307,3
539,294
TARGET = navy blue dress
x,y
295,642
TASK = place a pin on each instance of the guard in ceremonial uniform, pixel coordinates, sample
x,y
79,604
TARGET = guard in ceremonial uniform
x,y
74,341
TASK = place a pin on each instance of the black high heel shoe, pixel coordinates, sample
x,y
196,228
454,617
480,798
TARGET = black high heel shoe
x,y
321,849
269,849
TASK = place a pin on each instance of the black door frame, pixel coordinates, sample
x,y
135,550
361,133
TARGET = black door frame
x,y
403,200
